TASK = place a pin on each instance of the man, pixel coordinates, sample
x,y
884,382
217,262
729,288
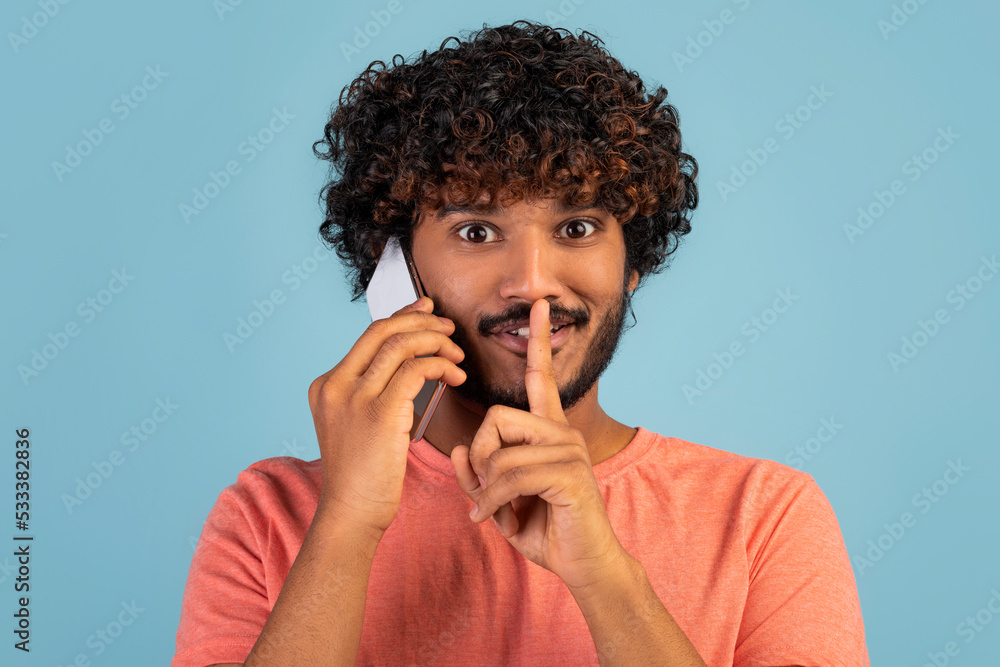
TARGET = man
x,y
535,185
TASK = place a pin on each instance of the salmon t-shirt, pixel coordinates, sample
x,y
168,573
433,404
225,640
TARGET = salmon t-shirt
x,y
746,554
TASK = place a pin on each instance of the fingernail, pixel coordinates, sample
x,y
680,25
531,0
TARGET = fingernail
x,y
482,482
474,512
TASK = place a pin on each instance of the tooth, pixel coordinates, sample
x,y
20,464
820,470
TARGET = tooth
x,y
525,332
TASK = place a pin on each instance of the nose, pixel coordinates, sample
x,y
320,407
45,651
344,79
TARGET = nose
x,y
533,269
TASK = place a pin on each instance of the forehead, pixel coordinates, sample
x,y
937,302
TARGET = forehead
x,y
554,205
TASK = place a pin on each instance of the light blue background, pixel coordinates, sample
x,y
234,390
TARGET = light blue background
x,y
826,357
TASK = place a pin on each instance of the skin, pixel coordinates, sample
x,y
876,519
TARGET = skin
x,y
492,272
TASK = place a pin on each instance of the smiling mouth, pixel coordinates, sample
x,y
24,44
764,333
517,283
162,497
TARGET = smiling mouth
x,y
518,344
524,331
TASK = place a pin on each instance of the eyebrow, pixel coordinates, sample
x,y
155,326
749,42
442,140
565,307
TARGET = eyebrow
x,y
560,207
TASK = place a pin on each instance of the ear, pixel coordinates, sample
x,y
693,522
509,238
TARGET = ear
x,y
633,281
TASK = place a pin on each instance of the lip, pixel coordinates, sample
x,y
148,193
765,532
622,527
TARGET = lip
x,y
519,346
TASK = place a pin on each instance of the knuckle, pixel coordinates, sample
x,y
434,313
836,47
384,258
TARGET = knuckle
x,y
395,343
407,367
372,410
495,412
314,389
407,308
378,327
476,458
327,392
494,462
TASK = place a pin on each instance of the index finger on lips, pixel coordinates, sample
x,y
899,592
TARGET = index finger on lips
x,y
539,376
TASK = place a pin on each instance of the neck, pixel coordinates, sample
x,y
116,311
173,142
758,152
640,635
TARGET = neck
x,y
456,421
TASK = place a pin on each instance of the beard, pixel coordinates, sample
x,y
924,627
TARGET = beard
x,y
596,358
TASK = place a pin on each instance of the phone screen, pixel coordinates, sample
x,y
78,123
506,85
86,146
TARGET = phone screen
x,y
394,284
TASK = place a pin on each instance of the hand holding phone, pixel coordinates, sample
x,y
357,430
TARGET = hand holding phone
x,y
363,411
395,284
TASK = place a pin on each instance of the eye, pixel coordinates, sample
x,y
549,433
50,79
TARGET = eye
x,y
576,230
480,235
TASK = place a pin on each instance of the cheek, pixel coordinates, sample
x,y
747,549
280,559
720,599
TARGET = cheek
x,y
455,284
455,295
604,278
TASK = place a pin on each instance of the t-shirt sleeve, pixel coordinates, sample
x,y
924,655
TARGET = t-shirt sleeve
x,y
225,602
802,605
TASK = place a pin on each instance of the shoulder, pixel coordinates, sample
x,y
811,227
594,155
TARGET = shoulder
x,y
759,492
724,469
274,486
277,471
282,469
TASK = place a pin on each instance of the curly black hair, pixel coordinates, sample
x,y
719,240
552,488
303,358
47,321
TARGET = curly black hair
x,y
520,110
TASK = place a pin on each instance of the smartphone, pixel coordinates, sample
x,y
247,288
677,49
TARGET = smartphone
x,y
395,284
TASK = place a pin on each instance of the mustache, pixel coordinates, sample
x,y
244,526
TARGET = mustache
x,y
522,311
